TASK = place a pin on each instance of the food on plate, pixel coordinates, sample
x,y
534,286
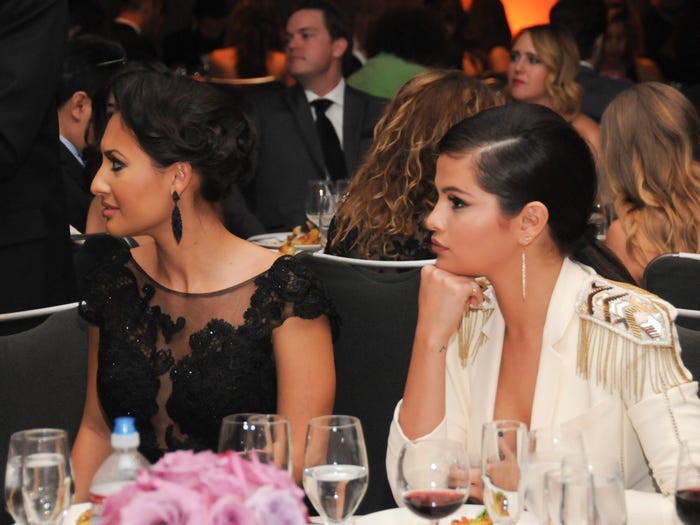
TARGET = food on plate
x,y
482,519
300,237
84,518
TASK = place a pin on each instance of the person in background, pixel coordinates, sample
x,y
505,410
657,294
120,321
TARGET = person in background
x,y
289,122
650,165
253,43
383,215
188,49
402,42
36,268
137,28
619,56
543,68
88,63
198,323
542,338
586,20
487,39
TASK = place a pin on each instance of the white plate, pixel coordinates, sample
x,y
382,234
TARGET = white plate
x,y
403,516
275,240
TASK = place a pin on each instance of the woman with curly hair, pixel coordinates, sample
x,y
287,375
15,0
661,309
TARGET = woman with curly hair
x,y
544,63
650,163
393,189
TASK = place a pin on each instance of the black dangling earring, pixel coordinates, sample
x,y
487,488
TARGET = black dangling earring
x,y
176,219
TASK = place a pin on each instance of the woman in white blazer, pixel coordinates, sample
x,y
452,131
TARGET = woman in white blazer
x,y
539,337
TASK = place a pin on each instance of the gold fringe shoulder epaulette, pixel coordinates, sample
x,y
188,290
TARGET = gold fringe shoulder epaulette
x,y
626,339
471,334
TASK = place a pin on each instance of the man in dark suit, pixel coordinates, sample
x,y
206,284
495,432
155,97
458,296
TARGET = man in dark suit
x,y
89,62
586,21
291,149
35,258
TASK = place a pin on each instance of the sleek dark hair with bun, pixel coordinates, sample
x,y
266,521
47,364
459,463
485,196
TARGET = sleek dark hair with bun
x,y
177,119
527,152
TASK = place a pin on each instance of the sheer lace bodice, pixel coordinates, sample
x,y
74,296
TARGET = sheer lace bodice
x,y
179,362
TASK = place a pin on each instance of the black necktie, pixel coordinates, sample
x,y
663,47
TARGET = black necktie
x,y
332,153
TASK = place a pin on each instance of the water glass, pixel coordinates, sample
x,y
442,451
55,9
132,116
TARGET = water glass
x,y
433,477
688,483
265,435
608,491
335,467
38,476
504,446
547,448
569,495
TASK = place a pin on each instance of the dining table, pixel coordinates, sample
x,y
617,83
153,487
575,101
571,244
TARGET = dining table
x,y
395,516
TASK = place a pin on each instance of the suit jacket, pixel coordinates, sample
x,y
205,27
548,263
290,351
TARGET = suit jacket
x,y
35,257
289,150
598,91
642,429
78,196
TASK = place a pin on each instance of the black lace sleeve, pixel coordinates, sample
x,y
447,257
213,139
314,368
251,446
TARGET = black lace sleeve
x,y
106,282
291,289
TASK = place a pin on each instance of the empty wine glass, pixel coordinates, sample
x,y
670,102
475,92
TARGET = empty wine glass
x,y
38,476
327,209
265,435
546,449
335,467
504,446
316,191
433,477
688,483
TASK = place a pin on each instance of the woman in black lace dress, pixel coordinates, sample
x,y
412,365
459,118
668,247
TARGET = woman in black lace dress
x,y
195,323
393,189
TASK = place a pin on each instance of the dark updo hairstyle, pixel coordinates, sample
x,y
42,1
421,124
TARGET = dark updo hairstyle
x,y
527,152
177,119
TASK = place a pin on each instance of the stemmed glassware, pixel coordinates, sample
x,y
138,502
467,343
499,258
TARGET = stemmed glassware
x,y
569,495
265,435
608,490
317,193
688,484
504,445
335,466
38,476
433,477
547,448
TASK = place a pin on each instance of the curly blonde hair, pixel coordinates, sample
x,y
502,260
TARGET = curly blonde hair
x,y
557,50
393,189
650,153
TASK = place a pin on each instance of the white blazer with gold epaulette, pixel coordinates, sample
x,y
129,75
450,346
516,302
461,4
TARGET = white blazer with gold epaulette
x,y
610,367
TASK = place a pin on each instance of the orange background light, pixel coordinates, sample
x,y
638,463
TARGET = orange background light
x,y
523,13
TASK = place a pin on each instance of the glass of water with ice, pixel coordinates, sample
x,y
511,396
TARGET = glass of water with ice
x,y
335,466
38,476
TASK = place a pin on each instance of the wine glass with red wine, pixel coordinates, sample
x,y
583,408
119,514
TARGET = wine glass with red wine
x,y
433,477
688,483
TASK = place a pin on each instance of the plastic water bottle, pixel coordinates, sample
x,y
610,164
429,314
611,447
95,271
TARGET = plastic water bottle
x,y
120,467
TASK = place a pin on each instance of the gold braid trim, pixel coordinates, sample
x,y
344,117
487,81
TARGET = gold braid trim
x,y
470,334
626,341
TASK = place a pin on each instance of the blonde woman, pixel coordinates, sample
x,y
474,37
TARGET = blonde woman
x,y
393,190
650,162
544,63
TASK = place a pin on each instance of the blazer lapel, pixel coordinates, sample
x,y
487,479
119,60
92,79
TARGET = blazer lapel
x,y
299,107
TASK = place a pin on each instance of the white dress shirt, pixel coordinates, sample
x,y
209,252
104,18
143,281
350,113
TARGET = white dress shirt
x,y
335,110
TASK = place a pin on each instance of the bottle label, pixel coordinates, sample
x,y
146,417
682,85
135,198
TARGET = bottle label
x,y
98,496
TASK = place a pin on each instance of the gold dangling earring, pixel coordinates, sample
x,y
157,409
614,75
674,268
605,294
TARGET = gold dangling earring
x,y
523,274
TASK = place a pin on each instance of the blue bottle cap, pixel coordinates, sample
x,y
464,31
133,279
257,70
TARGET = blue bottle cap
x,y
124,425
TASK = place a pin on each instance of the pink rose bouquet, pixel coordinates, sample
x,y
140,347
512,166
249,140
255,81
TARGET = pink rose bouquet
x,y
187,488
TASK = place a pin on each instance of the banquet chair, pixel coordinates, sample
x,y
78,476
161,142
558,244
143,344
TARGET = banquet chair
x,y
675,277
42,377
378,313
690,350
371,263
